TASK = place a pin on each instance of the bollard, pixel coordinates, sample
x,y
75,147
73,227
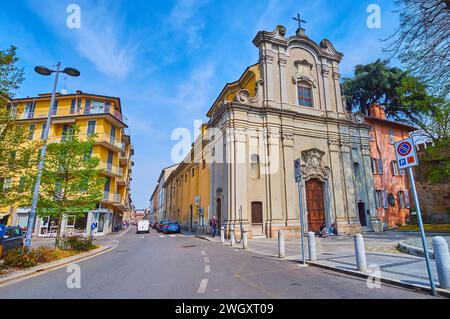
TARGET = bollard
x,y
232,238
442,258
222,235
244,240
360,253
312,246
280,244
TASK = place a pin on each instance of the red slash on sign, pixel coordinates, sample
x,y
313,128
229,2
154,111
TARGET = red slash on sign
x,y
404,148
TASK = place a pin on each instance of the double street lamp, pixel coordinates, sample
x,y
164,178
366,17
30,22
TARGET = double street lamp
x,y
45,71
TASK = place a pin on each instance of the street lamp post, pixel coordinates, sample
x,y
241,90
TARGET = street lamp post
x,y
44,71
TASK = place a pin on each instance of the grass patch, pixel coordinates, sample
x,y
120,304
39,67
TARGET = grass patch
x,y
436,228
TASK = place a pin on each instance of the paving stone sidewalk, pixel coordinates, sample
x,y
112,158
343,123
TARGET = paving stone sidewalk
x,y
338,253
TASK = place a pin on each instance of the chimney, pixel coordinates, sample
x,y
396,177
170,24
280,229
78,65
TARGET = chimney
x,y
376,110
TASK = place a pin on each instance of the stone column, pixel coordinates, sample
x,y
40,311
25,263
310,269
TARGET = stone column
x,y
273,169
282,61
267,64
336,183
292,205
326,84
336,78
349,183
240,175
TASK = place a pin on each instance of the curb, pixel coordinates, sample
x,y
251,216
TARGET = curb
x,y
413,250
44,268
420,288
441,292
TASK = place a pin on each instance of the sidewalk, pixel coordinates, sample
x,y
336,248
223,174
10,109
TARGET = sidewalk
x,y
50,242
337,253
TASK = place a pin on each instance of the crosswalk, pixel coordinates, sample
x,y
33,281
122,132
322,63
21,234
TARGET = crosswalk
x,y
172,235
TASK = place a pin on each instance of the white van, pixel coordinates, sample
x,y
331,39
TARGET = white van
x,y
143,226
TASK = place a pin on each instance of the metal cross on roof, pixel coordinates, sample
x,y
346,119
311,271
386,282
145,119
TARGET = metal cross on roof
x,y
299,20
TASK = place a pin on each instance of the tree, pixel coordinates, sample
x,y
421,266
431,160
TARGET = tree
x,y
70,179
373,83
422,41
15,149
431,114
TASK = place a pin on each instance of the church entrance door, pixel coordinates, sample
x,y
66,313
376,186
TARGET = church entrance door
x,y
257,219
315,204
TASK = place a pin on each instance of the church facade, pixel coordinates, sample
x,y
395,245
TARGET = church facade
x,y
289,106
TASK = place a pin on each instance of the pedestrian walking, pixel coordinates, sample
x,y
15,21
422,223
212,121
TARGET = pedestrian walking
x,y
213,224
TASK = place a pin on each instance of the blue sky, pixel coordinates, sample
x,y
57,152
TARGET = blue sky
x,y
168,60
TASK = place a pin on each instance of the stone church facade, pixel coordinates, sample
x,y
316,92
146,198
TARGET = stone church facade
x,y
288,106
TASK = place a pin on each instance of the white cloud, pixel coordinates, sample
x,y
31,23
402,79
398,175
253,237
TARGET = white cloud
x,y
100,41
194,94
184,19
102,38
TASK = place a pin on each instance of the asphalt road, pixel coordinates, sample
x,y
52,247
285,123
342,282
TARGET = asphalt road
x,y
177,266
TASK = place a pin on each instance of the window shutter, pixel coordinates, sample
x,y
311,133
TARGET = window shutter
x,y
385,202
377,199
87,106
72,106
380,166
392,168
407,199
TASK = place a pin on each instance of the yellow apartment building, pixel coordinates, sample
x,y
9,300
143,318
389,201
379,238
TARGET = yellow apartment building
x,y
93,114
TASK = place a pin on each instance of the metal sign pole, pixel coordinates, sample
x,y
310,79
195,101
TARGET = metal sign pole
x,y
422,231
302,226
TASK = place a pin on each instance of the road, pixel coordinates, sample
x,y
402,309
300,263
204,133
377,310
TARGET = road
x,y
181,266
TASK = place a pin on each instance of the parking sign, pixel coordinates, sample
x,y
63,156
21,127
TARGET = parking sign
x,y
406,153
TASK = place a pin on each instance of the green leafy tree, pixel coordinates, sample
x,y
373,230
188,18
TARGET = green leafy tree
x,y
70,184
373,83
15,149
431,114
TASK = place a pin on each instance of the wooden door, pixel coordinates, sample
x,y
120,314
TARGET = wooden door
x,y
219,213
257,218
315,204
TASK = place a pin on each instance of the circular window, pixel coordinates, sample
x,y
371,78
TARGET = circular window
x,y
391,199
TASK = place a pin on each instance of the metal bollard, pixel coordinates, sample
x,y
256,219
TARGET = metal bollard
x,y
244,240
232,238
280,244
222,235
360,252
442,258
312,246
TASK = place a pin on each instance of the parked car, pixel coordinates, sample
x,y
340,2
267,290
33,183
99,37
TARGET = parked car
x,y
171,228
10,238
143,226
161,223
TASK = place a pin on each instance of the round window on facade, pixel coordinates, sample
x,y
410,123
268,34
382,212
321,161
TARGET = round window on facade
x,y
391,199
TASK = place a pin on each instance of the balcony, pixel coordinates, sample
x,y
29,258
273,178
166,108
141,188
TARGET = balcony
x,y
102,139
73,112
121,181
111,170
110,142
111,198
123,159
126,135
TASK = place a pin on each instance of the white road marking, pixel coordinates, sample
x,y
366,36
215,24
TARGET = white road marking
x,y
202,252
206,259
202,287
207,269
172,236
162,236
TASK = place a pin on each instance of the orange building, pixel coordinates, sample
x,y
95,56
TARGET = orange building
x,y
390,183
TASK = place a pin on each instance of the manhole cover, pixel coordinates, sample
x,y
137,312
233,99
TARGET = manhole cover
x,y
189,246
121,251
